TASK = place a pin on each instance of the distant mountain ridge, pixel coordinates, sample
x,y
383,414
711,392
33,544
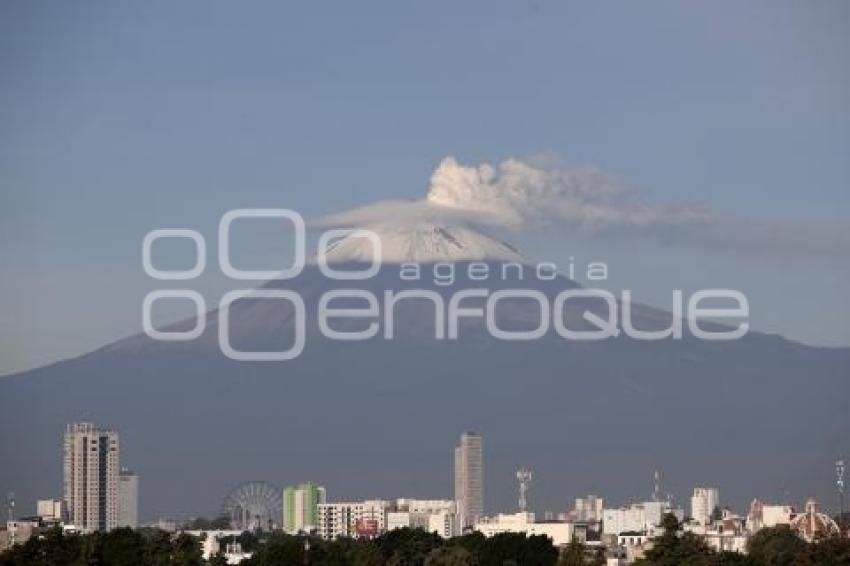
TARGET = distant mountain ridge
x,y
379,418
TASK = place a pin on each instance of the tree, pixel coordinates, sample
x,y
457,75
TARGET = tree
x,y
716,513
450,556
728,558
122,547
517,548
673,549
473,542
158,547
832,550
776,546
407,546
573,555
186,551
278,549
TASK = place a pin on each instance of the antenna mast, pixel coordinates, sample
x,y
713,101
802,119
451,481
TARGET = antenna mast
x,y
656,492
10,504
524,475
839,484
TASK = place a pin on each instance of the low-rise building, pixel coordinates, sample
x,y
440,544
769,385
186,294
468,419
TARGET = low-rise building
x,y
357,519
18,531
371,518
50,510
561,532
729,533
762,516
588,508
812,525
433,515
211,540
638,517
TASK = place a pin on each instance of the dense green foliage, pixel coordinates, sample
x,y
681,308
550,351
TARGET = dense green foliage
x,y
409,547
120,547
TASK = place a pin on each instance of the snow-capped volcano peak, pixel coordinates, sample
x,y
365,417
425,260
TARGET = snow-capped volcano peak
x,y
423,242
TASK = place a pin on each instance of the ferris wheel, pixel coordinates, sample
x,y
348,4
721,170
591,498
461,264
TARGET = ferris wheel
x,y
253,506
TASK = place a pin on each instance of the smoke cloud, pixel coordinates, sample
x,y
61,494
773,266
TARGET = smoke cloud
x,y
520,195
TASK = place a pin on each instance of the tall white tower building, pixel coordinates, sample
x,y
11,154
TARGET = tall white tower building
x,y
128,499
91,477
703,502
469,477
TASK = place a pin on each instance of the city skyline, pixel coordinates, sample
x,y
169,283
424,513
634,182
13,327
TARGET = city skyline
x,y
299,502
625,532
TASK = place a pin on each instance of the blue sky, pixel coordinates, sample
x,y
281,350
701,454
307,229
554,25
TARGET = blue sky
x,y
117,119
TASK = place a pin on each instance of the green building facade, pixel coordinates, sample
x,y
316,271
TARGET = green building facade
x,y
300,507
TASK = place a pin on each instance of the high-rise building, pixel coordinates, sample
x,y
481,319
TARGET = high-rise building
x,y
91,477
469,477
128,499
300,507
703,502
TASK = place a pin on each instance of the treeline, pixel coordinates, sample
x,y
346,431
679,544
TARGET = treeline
x,y
411,547
408,547
119,547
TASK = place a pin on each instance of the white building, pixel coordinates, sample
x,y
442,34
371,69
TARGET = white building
x,y
128,499
469,477
445,524
728,533
211,540
426,505
588,508
438,516
49,509
763,515
353,519
371,518
703,502
91,477
644,518
561,532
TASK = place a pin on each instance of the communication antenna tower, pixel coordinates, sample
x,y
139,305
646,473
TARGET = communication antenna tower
x,y
656,492
524,476
839,484
10,504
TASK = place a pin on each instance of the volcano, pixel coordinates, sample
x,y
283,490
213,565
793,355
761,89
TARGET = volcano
x,y
761,416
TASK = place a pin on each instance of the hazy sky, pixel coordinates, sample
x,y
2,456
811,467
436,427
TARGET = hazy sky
x,y
117,119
